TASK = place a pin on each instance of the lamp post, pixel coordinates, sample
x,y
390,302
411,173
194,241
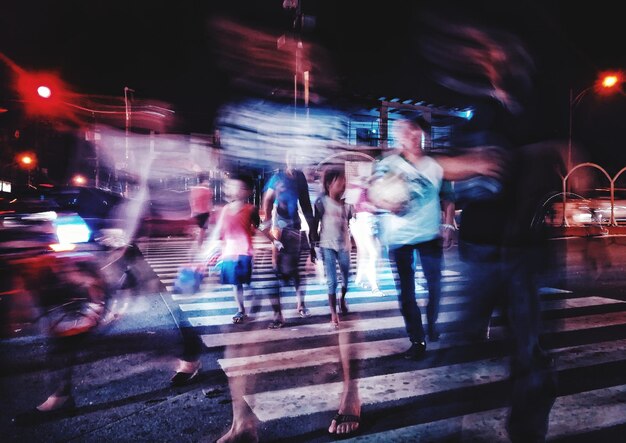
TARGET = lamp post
x,y
127,115
606,83
573,101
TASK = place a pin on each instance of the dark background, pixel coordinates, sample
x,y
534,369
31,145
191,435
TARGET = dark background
x,y
165,51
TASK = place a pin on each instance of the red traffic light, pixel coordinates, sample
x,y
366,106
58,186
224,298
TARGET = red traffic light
x,y
42,93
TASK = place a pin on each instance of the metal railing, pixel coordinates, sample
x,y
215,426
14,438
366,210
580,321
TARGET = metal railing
x,y
612,181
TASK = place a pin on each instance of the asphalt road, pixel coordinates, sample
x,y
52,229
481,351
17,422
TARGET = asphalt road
x,y
122,373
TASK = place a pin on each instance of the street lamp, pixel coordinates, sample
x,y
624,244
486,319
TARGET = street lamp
x,y
606,83
27,161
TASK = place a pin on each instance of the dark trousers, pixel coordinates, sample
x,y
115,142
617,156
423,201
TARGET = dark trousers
x,y
510,278
431,257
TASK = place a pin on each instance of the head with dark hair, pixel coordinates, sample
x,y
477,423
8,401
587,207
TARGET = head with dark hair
x,y
243,177
331,175
238,186
203,177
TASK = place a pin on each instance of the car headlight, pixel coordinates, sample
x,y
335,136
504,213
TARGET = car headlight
x,y
71,229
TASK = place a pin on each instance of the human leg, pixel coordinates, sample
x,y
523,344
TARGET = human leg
x,y
343,257
274,296
431,257
329,256
243,428
532,369
484,288
361,253
347,419
189,362
403,258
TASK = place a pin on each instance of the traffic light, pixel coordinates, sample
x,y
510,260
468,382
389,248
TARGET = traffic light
x,y
43,94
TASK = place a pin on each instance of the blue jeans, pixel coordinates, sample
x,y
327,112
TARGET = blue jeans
x,y
431,257
331,258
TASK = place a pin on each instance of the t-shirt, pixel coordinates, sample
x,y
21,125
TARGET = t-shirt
x,y
420,220
334,230
200,199
286,202
238,227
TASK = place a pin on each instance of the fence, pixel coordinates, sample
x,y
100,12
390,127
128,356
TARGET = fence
x,y
612,181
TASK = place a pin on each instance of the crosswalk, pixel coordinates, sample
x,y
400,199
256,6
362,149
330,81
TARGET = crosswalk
x,y
458,392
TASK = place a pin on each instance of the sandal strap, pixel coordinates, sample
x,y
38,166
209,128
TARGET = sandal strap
x,y
346,418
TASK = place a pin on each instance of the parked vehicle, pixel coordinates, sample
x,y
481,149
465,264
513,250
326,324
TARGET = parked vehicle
x,y
584,209
48,262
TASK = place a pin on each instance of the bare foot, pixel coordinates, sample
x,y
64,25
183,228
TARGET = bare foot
x,y
334,319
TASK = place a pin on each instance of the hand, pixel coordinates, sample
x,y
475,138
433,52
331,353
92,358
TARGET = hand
x,y
489,161
313,255
278,245
447,235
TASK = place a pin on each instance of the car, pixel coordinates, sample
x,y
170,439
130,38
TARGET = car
x,y
589,208
102,210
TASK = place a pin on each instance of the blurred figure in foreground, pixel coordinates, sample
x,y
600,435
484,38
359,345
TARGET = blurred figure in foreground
x,y
364,230
285,193
348,417
506,261
408,186
504,250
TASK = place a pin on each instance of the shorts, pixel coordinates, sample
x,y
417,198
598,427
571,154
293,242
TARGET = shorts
x,y
201,219
288,258
236,271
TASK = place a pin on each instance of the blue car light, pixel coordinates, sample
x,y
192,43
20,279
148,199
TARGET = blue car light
x,y
71,229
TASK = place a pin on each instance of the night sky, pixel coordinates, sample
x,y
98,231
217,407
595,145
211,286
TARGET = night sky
x,y
164,50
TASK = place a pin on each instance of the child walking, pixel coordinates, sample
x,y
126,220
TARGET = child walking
x,y
331,230
236,225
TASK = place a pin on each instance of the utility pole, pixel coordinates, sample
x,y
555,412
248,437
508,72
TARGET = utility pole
x,y
127,114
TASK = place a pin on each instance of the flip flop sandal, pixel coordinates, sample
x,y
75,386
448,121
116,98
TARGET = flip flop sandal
x,y
275,324
304,312
378,293
346,418
239,317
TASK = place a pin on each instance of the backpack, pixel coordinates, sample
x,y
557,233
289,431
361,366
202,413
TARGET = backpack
x,y
188,280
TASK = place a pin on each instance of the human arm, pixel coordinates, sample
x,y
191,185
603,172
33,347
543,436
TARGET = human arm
x,y
314,236
303,196
267,205
265,229
448,227
488,161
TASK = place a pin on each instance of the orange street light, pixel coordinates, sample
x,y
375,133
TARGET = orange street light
x,y
607,83
79,180
27,161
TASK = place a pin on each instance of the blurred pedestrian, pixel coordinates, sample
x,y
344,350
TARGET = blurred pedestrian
x,y
505,250
330,231
286,193
408,186
364,230
236,225
201,203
